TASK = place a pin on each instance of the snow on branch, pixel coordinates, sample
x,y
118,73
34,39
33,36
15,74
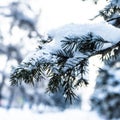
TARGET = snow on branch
x,y
111,13
63,61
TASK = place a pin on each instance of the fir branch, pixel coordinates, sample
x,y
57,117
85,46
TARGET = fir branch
x,y
108,53
66,68
62,56
113,19
54,83
85,43
108,12
30,72
69,88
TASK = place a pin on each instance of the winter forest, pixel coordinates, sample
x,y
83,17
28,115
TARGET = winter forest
x,y
60,59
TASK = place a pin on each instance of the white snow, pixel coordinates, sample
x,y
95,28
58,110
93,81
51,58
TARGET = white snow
x,y
106,31
103,29
70,114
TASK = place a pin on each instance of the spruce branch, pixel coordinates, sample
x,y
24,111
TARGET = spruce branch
x,y
109,53
30,72
111,19
68,70
85,43
108,12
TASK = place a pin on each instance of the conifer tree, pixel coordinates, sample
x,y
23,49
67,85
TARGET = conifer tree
x,y
106,97
63,59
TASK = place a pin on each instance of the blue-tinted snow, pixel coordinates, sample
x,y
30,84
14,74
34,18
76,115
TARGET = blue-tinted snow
x,y
17,114
103,29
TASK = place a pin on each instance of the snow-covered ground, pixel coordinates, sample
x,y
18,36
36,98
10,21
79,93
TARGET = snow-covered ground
x,y
70,114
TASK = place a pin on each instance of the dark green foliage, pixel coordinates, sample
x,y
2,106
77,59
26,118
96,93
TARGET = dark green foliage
x,y
86,43
111,13
29,72
67,66
62,56
111,53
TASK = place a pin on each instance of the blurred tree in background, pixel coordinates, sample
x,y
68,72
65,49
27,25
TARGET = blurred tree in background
x,y
13,50
106,97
